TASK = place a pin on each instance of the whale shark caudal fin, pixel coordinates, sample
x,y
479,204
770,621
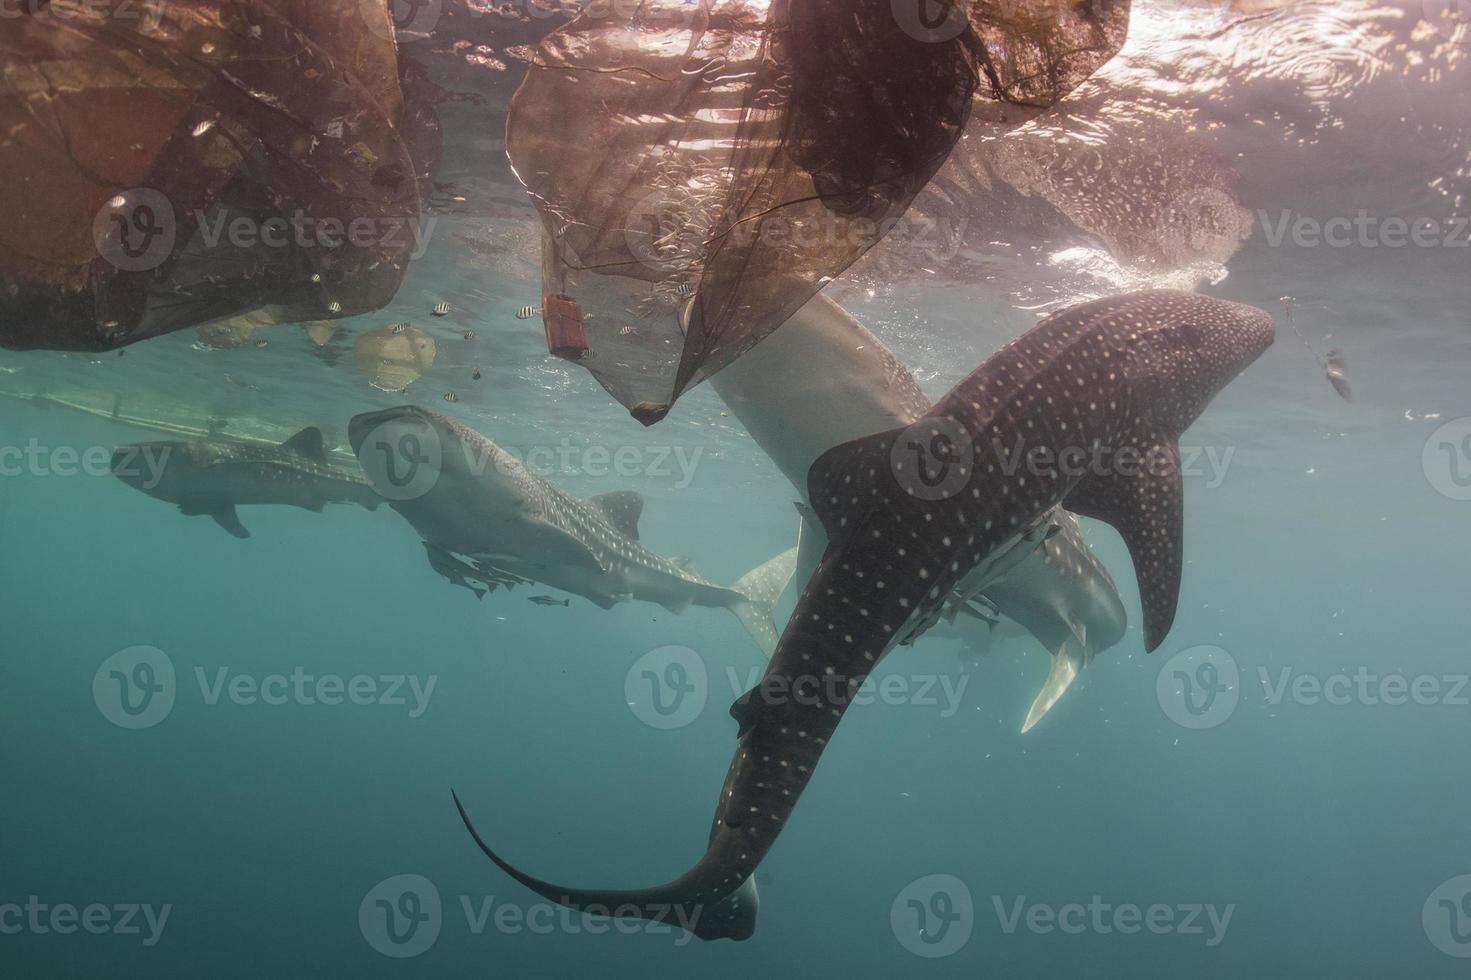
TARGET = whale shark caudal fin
x,y
308,443
622,508
731,916
1146,506
757,593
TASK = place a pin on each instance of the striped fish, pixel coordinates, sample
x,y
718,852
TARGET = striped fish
x,y
441,309
527,312
400,328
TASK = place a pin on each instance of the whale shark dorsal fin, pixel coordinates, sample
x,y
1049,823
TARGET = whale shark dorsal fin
x,y
308,442
842,477
622,508
1145,504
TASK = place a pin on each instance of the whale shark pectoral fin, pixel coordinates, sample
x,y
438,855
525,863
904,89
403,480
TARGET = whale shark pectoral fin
x,y
849,477
309,443
1066,663
555,546
622,508
225,516
1145,504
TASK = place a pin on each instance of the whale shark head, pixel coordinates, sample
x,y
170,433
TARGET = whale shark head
x,y
447,479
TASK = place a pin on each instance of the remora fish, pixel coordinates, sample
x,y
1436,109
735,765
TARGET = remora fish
x,y
822,379
213,476
481,501
1116,378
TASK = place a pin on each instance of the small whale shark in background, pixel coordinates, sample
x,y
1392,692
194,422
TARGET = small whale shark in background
x,y
1106,388
1060,593
483,502
214,476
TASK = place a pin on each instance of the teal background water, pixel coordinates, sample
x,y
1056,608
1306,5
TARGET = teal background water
x,y
1330,547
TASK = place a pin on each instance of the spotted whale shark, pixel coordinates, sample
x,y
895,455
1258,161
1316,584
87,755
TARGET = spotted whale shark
x,y
478,500
1061,593
1098,394
214,476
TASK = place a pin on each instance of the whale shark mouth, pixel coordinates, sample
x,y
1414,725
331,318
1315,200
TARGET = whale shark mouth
x,y
906,522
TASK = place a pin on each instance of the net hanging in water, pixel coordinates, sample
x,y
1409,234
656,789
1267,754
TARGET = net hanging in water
x,y
734,156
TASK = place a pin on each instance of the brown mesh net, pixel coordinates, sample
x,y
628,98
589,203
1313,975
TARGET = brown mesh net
x,y
170,164
733,156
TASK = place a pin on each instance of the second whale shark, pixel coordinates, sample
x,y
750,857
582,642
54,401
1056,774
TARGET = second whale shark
x,y
466,495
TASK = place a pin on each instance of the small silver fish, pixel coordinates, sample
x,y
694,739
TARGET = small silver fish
x,y
441,309
1337,370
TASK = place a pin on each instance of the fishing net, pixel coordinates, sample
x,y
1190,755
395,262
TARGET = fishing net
x,y
170,164
734,156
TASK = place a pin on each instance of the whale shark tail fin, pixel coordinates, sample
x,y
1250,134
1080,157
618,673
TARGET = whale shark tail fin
x,y
756,594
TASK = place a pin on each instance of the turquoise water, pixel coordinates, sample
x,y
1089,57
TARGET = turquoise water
x,y
1299,809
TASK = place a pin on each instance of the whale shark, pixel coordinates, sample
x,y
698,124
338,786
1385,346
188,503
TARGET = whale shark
x,y
1098,394
1060,593
480,501
214,476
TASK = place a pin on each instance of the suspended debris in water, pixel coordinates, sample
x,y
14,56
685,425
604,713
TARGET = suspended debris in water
x,y
546,600
450,396
1335,367
441,309
527,312
121,352
475,375
393,361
